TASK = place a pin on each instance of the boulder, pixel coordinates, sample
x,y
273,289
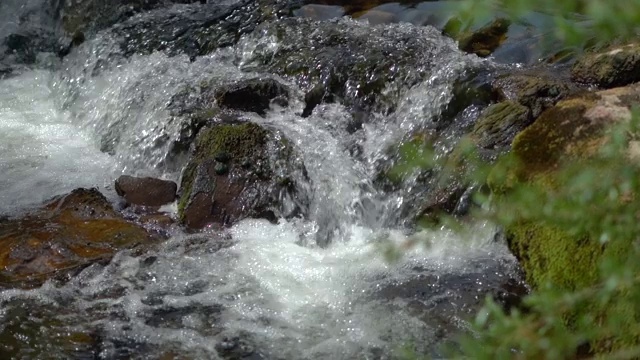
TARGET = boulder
x,y
70,232
146,191
211,103
239,171
556,167
361,66
614,66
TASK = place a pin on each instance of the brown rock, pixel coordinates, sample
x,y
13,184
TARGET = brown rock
x,y
146,191
239,171
615,66
68,233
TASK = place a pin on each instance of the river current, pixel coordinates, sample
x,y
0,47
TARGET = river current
x,y
256,290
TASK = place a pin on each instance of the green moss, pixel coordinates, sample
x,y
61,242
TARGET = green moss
x,y
188,177
551,256
239,141
560,131
499,123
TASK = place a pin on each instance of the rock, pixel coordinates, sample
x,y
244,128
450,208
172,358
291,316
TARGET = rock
x,y
538,90
25,320
262,179
90,16
252,95
146,191
558,252
485,40
574,127
194,29
67,234
346,61
500,123
615,66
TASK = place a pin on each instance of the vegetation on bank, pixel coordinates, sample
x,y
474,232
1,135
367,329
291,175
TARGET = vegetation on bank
x,y
566,196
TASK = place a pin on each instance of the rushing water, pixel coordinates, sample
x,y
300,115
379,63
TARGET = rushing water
x,y
257,290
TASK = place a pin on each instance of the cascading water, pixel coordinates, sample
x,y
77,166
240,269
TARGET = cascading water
x,y
257,290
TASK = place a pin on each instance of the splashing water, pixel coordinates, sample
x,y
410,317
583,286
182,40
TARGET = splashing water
x,y
257,290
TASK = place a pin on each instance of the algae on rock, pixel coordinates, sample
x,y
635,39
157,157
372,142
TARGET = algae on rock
x,y
239,171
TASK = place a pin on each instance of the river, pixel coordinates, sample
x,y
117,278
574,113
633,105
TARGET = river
x,y
257,290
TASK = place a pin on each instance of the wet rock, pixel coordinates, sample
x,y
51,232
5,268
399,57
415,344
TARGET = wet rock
x,y
90,16
146,191
21,47
237,348
485,40
537,90
252,95
67,234
193,29
614,66
261,179
500,123
347,61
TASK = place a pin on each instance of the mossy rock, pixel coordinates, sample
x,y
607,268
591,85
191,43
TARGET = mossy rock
x,y
551,256
614,66
538,90
499,124
551,252
484,41
260,177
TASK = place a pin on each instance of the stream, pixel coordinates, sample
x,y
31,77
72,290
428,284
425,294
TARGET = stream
x,y
256,290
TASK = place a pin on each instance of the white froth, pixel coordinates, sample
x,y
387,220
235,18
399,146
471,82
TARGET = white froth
x,y
42,153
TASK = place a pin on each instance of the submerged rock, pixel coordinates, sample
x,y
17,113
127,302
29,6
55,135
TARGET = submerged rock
x,y
146,191
67,234
361,66
261,177
614,66
252,95
90,16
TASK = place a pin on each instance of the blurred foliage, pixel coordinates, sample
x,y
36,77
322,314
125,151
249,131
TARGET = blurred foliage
x,y
577,24
594,199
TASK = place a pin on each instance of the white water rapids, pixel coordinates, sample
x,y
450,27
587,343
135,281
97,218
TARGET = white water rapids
x,y
259,290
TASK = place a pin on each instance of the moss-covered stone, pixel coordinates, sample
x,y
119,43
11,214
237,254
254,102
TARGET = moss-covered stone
x,y
538,90
571,132
551,256
614,66
499,124
484,41
260,173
